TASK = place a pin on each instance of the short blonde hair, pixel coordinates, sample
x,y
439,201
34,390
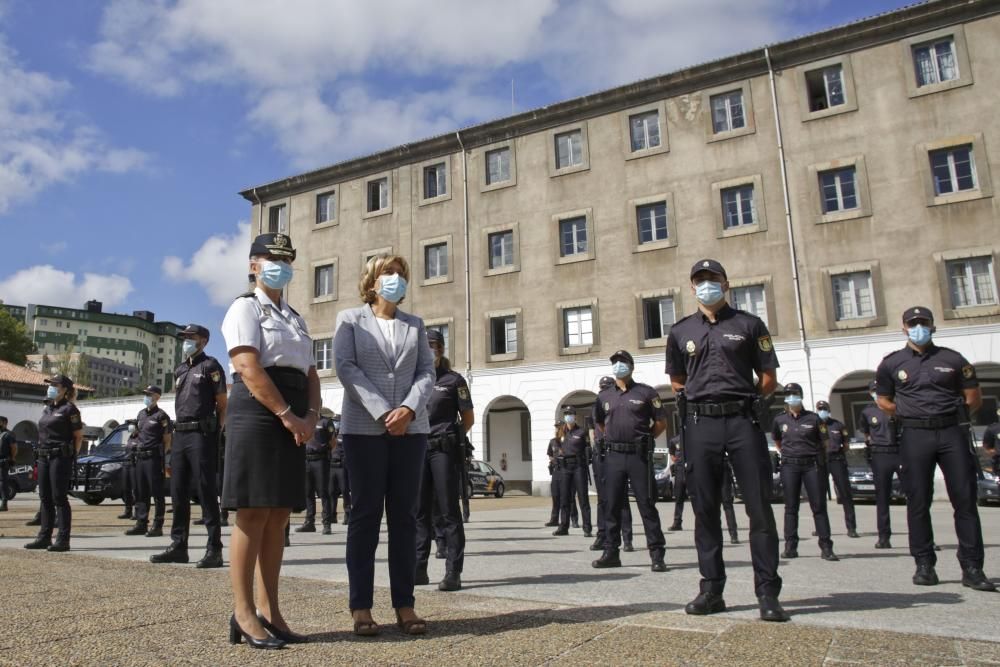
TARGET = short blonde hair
x,y
373,269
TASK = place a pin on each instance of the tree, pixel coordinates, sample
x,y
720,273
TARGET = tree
x,y
15,344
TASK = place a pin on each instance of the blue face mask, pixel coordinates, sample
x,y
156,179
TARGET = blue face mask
x,y
148,401
569,419
824,414
919,335
275,274
392,287
708,292
52,392
620,370
189,348
793,400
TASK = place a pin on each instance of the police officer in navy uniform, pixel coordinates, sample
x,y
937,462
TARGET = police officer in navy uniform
x,y
630,417
128,471
318,475
883,453
556,473
680,485
931,390
153,433
597,464
8,453
836,464
572,462
451,415
712,357
60,434
800,437
200,410
990,437
340,485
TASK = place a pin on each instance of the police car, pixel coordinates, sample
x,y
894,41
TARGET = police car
x,y
484,480
22,476
861,478
98,475
988,488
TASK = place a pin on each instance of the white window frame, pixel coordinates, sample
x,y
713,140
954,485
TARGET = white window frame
x,y
576,321
578,229
838,184
873,268
980,166
847,82
385,199
971,286
729,105
765,282
447,241
514,315
963,66
555,169
324,368
332,287
505,259
487,232
758,211
817,196
945,259
632,215
503,165
641,298
441,168
448,325
949,154
736,302
484,184
936,70
588,221
334,218
853,289
739,192
564,311
282,211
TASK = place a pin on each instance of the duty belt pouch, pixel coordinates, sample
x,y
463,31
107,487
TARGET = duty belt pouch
x,y
208,425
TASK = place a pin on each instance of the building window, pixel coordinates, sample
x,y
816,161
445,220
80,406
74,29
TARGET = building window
x,y
503,335
569,149
501,249
435,181
326,207
751,298
436,260
644,130
852,296
953,170
935,62
378,195
573,236
738,207
323,350
657,316
277,219
652,222
839,191
825,88
443,330
971,282
498,165
323,283
578,326
727,112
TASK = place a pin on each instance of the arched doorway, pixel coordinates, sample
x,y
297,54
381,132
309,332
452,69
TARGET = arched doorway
x,y
507,441
849,396
989,380
583,400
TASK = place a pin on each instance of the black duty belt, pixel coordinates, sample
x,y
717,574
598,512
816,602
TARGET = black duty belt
x,y
836,457
624,447
56,451
568,461
283,376
929,422
882,449
183,427
318,456
149,453
336,463
799,460
723,409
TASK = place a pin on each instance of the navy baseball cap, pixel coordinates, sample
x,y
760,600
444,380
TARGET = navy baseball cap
x,y
822,405
606,382
708,265
152,389
435,336
60,380
193,330
793,388
275,245
623,355
568,410
918,313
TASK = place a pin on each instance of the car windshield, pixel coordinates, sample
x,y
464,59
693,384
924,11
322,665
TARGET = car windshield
x,y
856,458
113,445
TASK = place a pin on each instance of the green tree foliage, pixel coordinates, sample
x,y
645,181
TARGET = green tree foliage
x,y
15,344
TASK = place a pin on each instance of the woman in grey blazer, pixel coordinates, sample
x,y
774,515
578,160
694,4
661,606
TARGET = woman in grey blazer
x,y
387,369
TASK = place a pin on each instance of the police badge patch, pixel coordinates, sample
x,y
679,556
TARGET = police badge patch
x,y
902,376
607,407
764,343
656,403
74,418
216,376
968,372
784,428
463,393
822,428
874,420
690,347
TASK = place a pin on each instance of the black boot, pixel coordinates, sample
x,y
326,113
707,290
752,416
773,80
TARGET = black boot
x,y
127,514
734,538
200,522
37,521
60,545
223,518
705,604
307,527
770,609
139,528
658,564
609,558
551,523
926,576
883,544
175,553
598,545
440,554
326,529
156,530
39,543
790,551
852,533
211,559
674,527
973,577
452,582
420,577
827,554
628,548
560,531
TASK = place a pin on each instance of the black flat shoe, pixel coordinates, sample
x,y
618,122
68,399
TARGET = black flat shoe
x,y
236,634
770,610
286,636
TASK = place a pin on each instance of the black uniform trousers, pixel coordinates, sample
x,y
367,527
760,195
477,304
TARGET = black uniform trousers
x,y
625,520
837,468
793,477
619,470
947,448
574,488
149,478
4,477
555,490
194,457
680,492
884,466
340,485
440,504
53,491
318,482
707,440
129,484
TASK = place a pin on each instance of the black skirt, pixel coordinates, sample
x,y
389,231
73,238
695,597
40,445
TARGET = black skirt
x,y
263,465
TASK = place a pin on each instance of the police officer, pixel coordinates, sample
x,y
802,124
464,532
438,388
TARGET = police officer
x,y
153,434
451,415
318,475
990,437
931,390
800,437
630,416
883,454
8,453
340,485
680,485
836,464
60,434
128,471
574,450
712,357
200,408
555,487
597,464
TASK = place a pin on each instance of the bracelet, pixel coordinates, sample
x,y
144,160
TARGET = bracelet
x,y
283,412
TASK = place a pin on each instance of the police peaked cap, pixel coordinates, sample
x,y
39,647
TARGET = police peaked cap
x,y
435,336
793,388
275,245
918,313
623,355
708,265
194,330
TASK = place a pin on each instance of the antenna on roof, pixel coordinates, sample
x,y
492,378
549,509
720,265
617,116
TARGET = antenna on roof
x,y
512,97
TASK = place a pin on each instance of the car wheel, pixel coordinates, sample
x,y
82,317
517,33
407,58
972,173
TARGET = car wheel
x,y
92,498
498,492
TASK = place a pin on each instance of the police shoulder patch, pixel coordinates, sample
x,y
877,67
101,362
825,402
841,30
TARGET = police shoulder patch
x,y
607,406
764,343
822,428
968,372
657,403
74,418
216,376
784,428
463,393
902,375
874,420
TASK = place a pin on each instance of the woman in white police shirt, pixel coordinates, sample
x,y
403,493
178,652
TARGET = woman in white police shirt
x,y
273,410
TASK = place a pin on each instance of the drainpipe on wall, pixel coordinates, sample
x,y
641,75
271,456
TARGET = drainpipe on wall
x,y
260,213
796,285
468,275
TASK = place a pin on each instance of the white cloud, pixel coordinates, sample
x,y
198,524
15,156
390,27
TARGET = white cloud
x,y
307,67
220,265
44,284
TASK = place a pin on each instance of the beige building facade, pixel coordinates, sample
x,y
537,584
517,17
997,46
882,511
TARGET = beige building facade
x,y
840,178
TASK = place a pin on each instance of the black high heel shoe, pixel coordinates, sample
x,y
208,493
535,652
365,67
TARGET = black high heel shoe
x,y
236,633
286,636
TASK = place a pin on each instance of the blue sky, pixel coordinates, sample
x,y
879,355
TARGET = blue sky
x,y
127,127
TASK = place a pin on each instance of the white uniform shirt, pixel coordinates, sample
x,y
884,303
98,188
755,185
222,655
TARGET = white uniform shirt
x,y
388,328
278,334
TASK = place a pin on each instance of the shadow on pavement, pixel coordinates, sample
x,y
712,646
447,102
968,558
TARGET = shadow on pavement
x,y
867,601
560,578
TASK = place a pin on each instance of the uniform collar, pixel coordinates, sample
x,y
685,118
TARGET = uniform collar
x,y
931,347
724,313
628,385
802,413
265,300
195,358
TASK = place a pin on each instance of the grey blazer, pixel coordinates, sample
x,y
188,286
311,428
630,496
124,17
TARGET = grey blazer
x,y
375,382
